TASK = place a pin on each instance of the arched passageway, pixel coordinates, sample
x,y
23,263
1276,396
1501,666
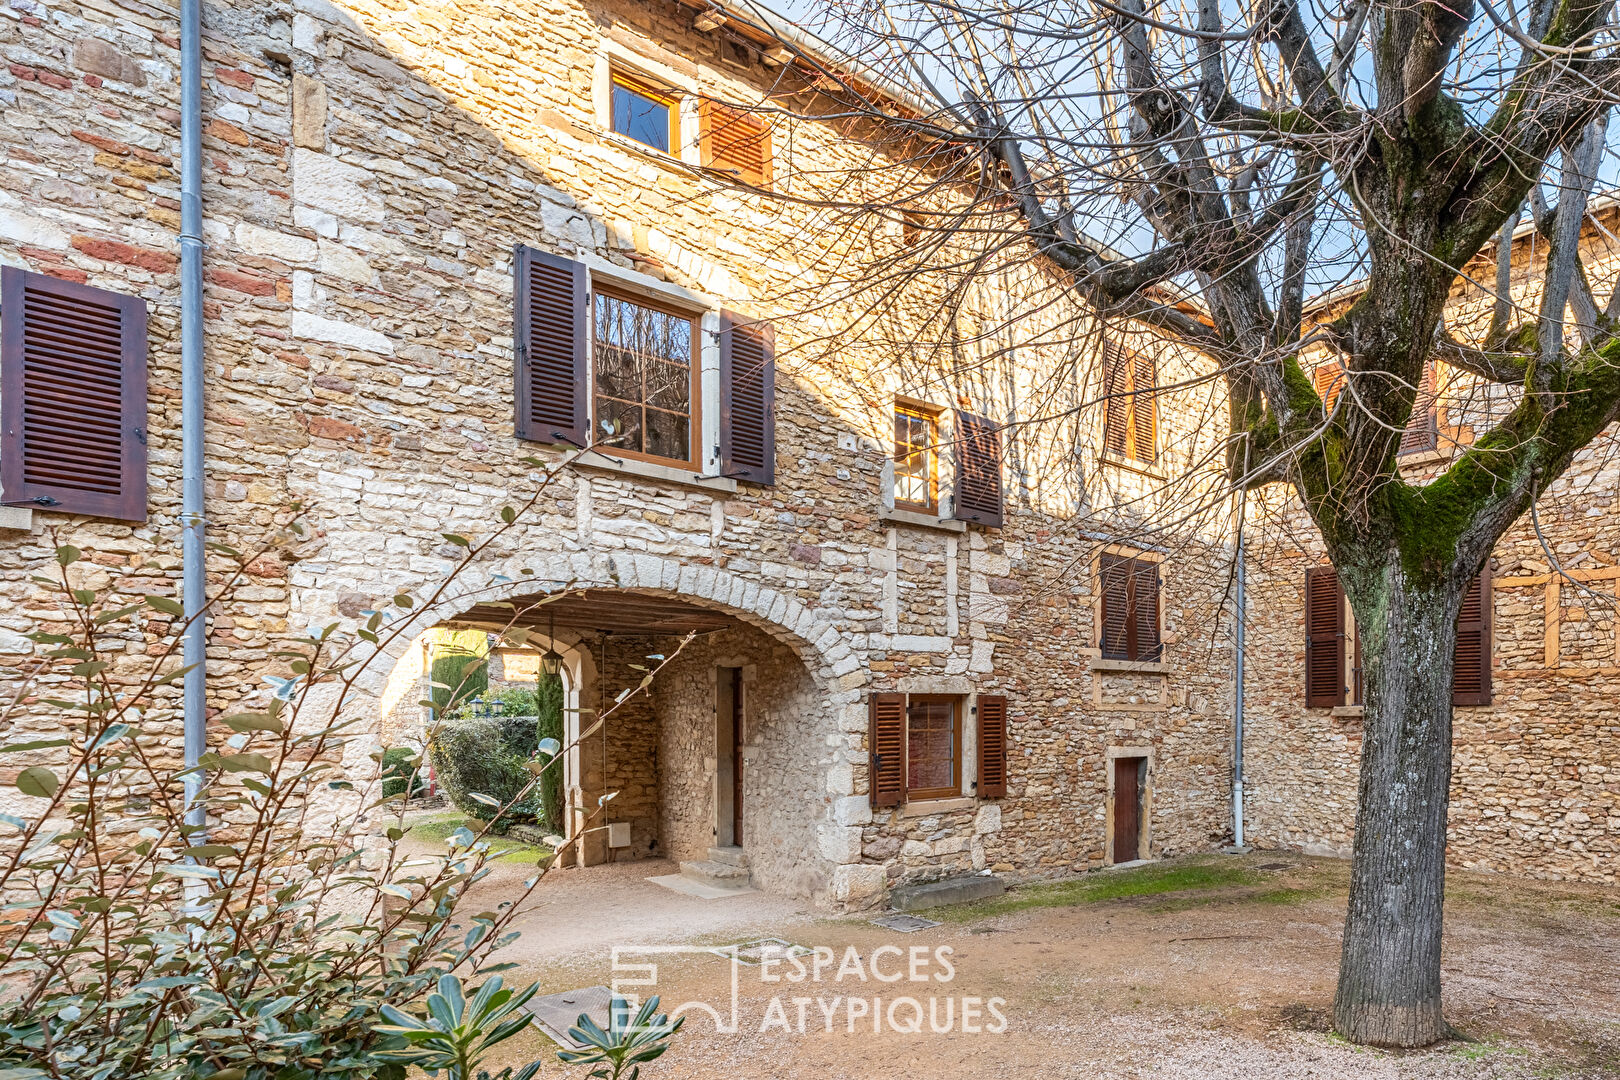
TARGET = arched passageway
x,y
728,749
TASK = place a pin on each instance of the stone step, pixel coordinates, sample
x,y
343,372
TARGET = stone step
x,y
731,856
716,875
956,890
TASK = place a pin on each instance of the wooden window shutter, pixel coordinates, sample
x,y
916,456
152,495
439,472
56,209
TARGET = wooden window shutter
x,y
1324,638
1116,400
73,395
1329,381
1422,429
886,742
552,336
1145,610
978,495
992,746
734,141
1144,408
1114,581
1130,608
747,399
1471,660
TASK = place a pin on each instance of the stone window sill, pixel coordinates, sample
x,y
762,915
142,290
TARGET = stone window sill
x,y
922,521
927,807
1352,711
1139,667
1129,464
1419,458
597,461
20,518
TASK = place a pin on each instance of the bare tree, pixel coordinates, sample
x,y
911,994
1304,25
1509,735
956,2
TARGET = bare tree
x,y
1208,169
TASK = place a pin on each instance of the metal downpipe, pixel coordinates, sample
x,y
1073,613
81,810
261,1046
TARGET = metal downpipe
x,y
194,581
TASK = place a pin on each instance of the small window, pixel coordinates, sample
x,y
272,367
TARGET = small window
x,y
644,114
1130,608
916,458
644,378
933,746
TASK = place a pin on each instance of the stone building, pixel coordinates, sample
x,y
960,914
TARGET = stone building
x,y
448,245
905,633
1536,735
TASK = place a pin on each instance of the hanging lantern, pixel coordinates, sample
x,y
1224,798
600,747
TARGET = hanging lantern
x,y
551,661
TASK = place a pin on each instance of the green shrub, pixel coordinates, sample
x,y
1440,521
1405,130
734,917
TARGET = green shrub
x,y
401,766
486,755
460,670
549,725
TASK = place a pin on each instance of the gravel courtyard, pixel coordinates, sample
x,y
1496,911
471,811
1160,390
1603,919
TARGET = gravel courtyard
x,y
1208,967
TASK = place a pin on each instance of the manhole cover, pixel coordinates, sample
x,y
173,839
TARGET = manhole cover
x,y
906,924
556,1013
1275,866
757,952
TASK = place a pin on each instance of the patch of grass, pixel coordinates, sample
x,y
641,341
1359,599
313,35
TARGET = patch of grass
x,y
437,829
1160,878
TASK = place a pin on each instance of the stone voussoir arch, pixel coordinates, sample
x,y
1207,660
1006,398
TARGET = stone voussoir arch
x,y
822,648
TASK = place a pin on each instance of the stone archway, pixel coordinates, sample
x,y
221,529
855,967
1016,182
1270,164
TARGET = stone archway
x,y
812,850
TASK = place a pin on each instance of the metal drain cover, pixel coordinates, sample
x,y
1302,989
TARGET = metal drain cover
x,y
757,952
906,924
556,1013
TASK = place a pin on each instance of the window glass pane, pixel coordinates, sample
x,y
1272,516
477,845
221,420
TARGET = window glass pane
x,y
914,456
668,435
930,745
640,117
643,370
618,423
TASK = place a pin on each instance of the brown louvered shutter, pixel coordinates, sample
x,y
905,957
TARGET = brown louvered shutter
x,y
1116,400
737,142
1114,581
1471,660
747,399
992,746
72,397
1145,643
886,741
1329,381
1422,429
552,336
1144,408
978,471
1324,638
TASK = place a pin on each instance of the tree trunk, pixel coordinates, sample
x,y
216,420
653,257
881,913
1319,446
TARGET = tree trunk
x,y
1389,972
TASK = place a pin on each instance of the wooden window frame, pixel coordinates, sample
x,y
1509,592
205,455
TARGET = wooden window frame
x,y
695,415
1329,378
910,794
1131,621
637,84
930,415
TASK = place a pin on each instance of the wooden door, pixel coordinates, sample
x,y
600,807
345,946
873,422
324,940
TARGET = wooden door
x,y
1127,808
736,756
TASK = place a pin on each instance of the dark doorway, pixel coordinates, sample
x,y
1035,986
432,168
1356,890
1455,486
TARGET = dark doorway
x,y
1130,775
736,756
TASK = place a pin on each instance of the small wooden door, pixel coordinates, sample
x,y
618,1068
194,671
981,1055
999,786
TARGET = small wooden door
x,y
736,756
1128,808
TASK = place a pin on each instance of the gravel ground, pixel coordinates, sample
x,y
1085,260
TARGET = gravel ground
x,y
1231,976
